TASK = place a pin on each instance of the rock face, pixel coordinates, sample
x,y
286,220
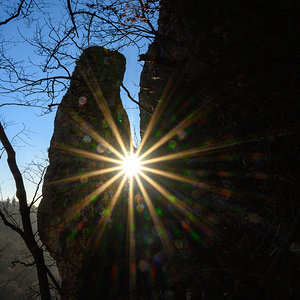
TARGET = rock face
x,y
71,215
229,70
223,79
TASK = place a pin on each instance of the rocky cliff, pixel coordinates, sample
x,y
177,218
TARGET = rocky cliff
x,y
226,75
71,214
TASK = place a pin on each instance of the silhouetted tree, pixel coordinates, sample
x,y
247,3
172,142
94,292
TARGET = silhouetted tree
x,y
26,231
57,42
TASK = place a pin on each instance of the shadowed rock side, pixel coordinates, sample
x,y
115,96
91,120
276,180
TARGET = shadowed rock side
x,y
70,216
231,69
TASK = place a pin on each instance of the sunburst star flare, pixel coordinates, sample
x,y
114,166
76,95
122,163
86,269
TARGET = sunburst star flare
x,y
131,164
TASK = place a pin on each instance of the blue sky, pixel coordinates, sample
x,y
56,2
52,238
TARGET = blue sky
x,y
39,128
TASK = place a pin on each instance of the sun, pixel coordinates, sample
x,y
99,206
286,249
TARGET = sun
x,y
131,164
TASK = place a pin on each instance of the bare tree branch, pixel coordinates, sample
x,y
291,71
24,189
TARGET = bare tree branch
x,y
21,104
15,262
72,16
14,16
54,281
10,225
133,100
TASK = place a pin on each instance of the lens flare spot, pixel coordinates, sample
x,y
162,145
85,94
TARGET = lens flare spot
x,y
138,198
100,149
178,244
82,101
172,144
172,198
143,265
181,134
104,123
86,139
158,258
140,208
